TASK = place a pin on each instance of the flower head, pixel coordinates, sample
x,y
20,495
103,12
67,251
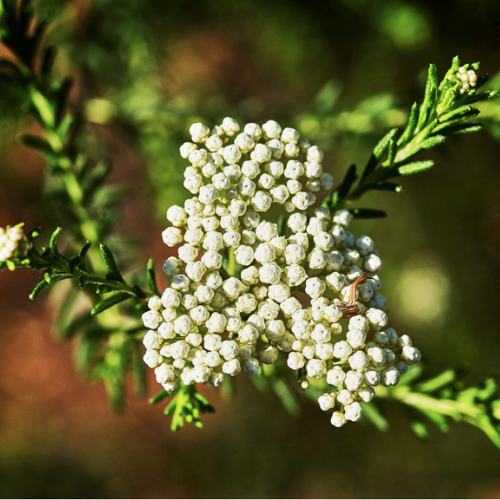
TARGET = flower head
x,y
13,243
296,292
467,77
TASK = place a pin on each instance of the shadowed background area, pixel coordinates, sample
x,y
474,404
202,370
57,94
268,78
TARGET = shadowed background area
x,y
342,72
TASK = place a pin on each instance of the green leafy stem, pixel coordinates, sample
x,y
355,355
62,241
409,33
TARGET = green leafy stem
x,y
441,114
185,405
59,268
436,400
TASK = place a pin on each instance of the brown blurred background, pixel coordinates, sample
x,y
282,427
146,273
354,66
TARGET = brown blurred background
x,y
342,71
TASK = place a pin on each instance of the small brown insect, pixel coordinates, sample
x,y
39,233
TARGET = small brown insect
x,y
351,308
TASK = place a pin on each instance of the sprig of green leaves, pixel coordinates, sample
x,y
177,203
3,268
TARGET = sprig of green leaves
x,y
443,113
186,406
441,399
58,268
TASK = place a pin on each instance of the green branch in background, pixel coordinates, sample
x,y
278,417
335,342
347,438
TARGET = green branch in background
x,y
444,111
85,204
443,398
438,400
108,331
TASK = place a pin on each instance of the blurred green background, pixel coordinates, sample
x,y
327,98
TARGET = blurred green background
x,y
343,72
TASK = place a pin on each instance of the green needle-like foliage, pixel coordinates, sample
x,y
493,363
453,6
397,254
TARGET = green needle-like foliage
x,y
443,112
443,398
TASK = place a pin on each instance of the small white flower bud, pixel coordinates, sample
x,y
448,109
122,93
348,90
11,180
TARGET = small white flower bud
x,y
269,355
244,255
214,143
354,380
295,360
377,356
294,275
187,148
244,142
271,129
338,419
290,306
411,355
166,330
326,402
216,324
279,293
230,126
326,182
212,259
342,217
372,263
233,287
164,374
359,361
229,349
356,338
315,287
324,351
169,314
180,349
152,358
151,319
261,153
275,329
345,397
253,130
353,412
199,132
317,259
316,368
250,366
372,378
250,275
152,340
270,273
390,376
172,236
291,150
377,318
246,303
335,376
342,349
265,253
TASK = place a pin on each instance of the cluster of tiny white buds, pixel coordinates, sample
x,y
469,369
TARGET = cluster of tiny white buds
x,y
208,324
468,78
13,243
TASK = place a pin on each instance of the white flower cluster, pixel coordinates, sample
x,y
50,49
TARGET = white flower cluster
x,y
284,294
13,243
468,79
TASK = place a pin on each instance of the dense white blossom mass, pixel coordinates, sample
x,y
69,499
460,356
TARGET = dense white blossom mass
x,y
245,291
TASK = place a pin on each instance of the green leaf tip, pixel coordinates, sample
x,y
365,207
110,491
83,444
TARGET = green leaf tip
x,y
110,301
109,260
151,277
